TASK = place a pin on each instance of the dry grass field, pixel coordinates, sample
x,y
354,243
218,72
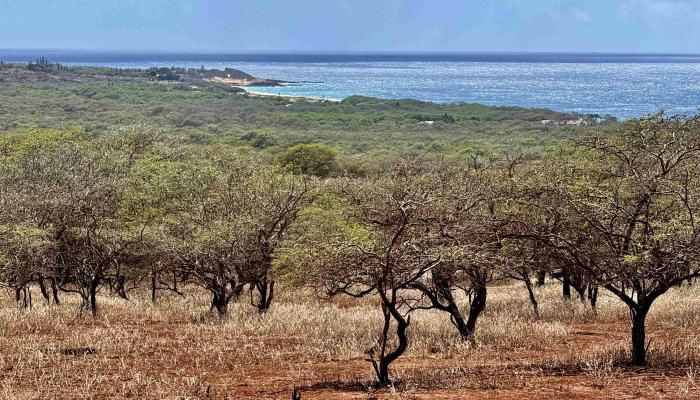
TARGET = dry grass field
x,y
176,350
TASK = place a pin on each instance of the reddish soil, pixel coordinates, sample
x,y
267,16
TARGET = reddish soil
x,y
504,375
124,358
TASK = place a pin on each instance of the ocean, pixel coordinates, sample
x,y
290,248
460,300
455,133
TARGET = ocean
x,y
621,85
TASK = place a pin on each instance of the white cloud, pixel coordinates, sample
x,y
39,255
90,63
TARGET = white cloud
x,y
581,16
652,11
674,22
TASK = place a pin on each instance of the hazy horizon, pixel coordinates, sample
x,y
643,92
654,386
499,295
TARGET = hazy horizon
x,y
219,26
338,52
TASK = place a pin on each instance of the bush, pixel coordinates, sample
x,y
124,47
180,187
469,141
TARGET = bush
x,y
310,159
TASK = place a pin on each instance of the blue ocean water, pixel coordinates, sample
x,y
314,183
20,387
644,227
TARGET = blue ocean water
x,y
622,85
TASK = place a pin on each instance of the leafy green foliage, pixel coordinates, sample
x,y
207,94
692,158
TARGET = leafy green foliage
x,y
310,159
205,113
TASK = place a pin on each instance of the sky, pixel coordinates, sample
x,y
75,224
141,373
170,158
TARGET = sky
x,y
661,26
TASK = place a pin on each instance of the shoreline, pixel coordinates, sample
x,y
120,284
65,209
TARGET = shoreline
x,y
288,96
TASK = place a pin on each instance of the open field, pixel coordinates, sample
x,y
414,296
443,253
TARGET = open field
x,y
176,349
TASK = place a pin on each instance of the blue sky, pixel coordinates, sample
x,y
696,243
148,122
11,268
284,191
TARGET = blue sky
x,y
353,25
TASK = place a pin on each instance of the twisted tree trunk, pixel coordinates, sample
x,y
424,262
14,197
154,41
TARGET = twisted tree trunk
x,y
476,307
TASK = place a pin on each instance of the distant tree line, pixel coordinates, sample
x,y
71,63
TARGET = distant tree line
x,y
42,64
162,74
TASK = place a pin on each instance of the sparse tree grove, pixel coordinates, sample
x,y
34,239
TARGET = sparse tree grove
x,y
83,214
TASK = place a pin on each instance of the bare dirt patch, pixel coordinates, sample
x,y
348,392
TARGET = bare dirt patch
x,y
176,350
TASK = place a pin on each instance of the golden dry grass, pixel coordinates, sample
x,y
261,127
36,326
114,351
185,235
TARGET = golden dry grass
x,y
176,349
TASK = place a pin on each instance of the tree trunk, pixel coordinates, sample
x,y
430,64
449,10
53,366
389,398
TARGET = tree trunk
x,y
386,360
119,287
566,285
42,287
639,350
153,287
593,295
27,298
219,302
476,306
458,322
23,294
533,298
442,292
266,291
93,297
581,291
541,275
54,291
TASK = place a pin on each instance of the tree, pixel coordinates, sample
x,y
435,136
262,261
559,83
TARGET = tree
x,y
71,188
381,250
154,188
272,202
229,216
525,198
25,257
261,139
310,159
205,229
464,219
633,213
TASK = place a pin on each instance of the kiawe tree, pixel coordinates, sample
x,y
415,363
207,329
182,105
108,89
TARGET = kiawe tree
x,y
25,258
466,235
71,188
204,230
273,200
153,189
380,250
229,216
634,208
529,211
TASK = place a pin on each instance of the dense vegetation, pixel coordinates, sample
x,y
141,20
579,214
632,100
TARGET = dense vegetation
x,y
362,130
136,208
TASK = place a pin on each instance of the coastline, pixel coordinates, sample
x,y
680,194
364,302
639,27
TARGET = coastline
x,y
314,99
235,80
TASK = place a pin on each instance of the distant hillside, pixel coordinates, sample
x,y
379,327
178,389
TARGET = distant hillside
x,y
227,72
43,70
